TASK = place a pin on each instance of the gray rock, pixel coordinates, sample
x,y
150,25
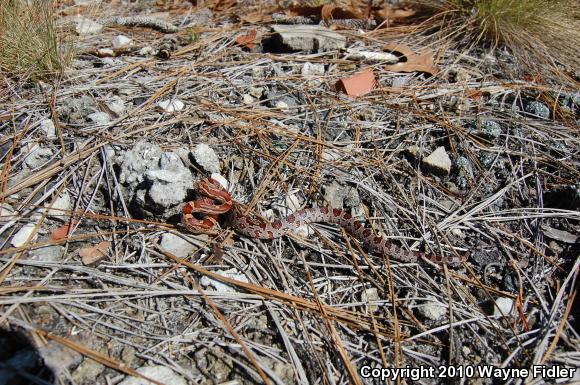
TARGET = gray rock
x,y
47,125
256,92
134,162
438,161
309,69
168,187
58,357
86,26
279,100
206,157
223,287
157,373
60,207
464,175
38,156
334,194
432,310
248,99
51,253
75,109
116,105
176,245
87,371
99,117
312,38
538,109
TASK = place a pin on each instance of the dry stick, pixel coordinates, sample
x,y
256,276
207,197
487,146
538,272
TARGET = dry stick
x,y
396,326
5,270
560,328
234,334
351,318
333,334
451,317
261,190
361,275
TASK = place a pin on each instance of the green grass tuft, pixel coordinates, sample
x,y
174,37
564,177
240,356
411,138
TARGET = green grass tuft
x,y
31,46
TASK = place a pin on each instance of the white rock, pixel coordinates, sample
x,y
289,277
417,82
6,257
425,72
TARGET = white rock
x,y
370,295
87,26
256,92
206,157
117,105
432,309
222,287
146,51
47,125
121,41
258,72
281,105
292,202
248,99
304,231
438,161
22,235
105,52
503,306
60,207
99,117
158,373
176,245
169,105
220,179
385,57
400,81
312,69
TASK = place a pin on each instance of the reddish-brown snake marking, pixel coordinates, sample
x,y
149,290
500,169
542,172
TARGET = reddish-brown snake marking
x,y
200,216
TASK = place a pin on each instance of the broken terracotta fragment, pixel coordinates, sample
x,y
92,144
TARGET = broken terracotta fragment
x,y
359,84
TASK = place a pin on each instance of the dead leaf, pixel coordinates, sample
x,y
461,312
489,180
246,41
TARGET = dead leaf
x,y
359,84
248,40
61,232
255,17
94,254
411,61
393,14
325,12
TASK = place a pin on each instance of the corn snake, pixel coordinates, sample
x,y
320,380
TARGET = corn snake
x,y
201,216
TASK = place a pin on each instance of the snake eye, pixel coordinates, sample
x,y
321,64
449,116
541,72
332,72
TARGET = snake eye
x,y
199,216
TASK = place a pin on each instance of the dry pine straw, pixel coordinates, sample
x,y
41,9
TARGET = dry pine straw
x,y
304,303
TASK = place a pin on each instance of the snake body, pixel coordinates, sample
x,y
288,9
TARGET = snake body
x,y
200,216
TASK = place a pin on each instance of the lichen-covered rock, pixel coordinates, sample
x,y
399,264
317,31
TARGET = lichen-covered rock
x,y
538,109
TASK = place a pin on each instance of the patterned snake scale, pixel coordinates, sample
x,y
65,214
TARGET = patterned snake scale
x,y
200,216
